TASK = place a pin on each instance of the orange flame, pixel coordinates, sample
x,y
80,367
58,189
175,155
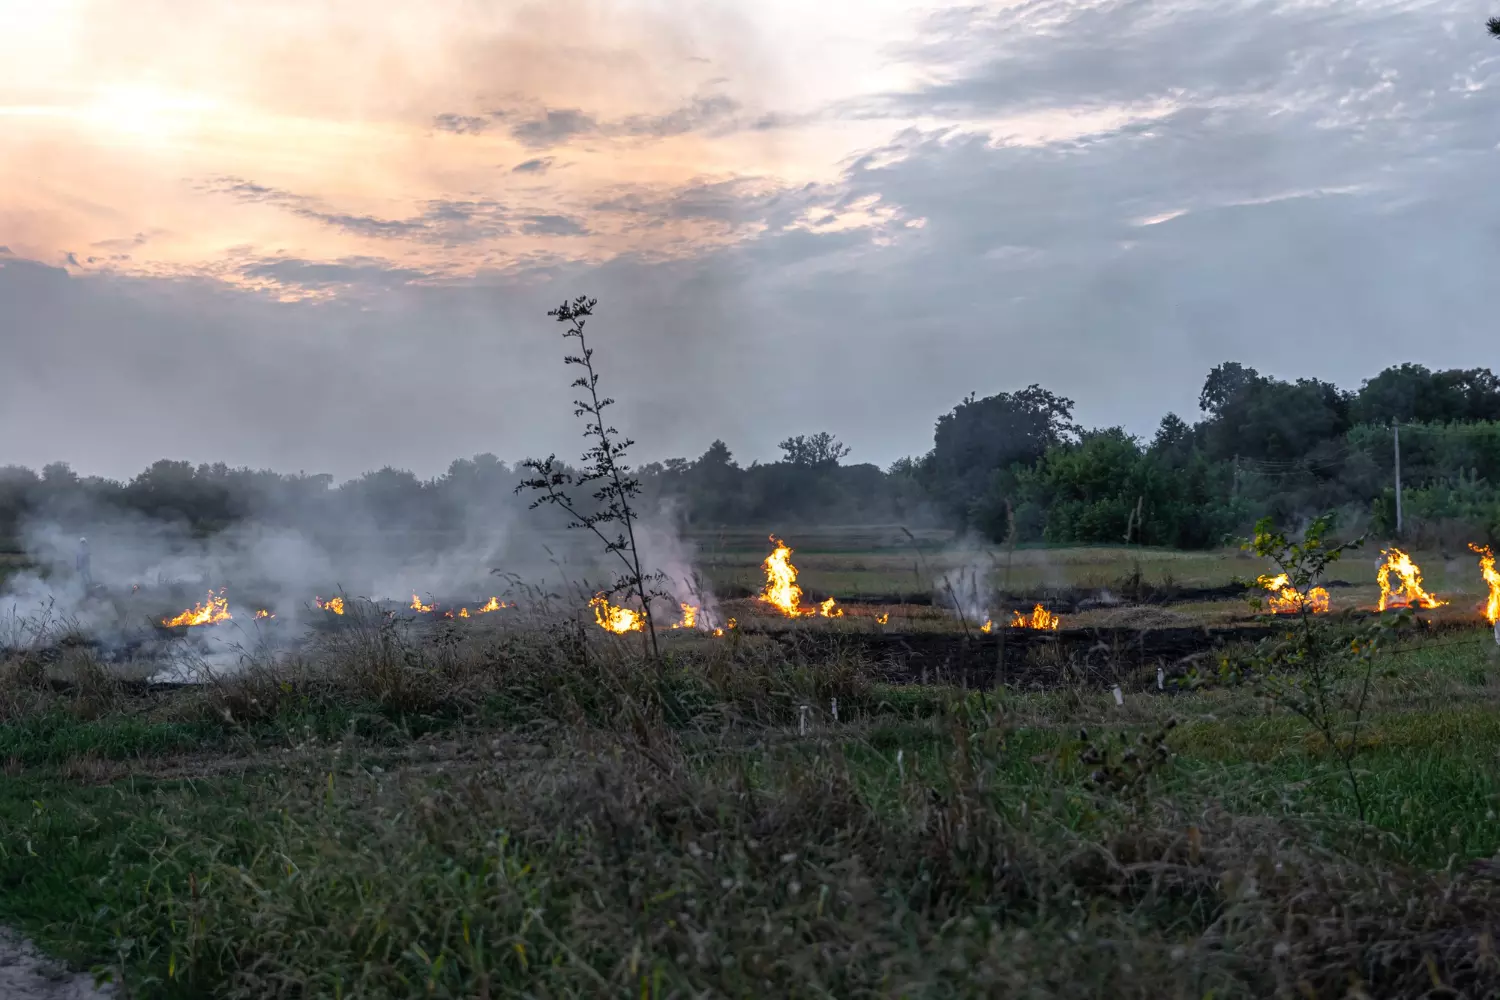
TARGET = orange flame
x,y
494,604
1409,592
333,604
417,605
1287,600
615,618
264,614
689,617
883,618
987,626
1492,578
216,610
463,612
1040,618
781,591
827,610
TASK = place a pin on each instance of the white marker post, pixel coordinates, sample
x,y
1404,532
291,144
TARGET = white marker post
x,y
1119,696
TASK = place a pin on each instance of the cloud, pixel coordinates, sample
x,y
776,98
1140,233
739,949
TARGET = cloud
x,y
553,225
460,124
444,221
553,127
1316,178
536,165
351,271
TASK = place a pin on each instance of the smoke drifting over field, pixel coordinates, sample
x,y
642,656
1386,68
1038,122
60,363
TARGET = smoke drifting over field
x,y
276,562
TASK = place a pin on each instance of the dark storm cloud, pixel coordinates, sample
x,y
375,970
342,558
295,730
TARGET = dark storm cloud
x,y
1317,178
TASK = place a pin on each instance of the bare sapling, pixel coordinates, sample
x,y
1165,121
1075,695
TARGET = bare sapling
x,y
612,518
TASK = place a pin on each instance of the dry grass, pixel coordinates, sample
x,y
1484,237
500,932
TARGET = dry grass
x,y
541,812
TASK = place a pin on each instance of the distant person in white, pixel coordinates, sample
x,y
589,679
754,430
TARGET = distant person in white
x,y
81,562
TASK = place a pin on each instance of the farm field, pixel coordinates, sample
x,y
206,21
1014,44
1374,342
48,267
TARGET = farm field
x,y
536,810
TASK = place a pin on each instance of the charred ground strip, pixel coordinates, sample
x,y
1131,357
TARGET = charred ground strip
x,y
1037,660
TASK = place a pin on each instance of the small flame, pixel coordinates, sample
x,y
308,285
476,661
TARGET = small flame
x,y
417,605
463,612
781,591
1040,618
264,614
883,618
827,610
689,617
987,626
1287,600
216,610
1492,578
333,604
1409,592
494,604
615,618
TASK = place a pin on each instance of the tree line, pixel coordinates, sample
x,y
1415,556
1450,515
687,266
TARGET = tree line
x,y
1012,462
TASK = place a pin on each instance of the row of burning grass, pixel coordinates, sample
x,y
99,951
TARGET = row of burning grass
x,y
1399,577
1400,581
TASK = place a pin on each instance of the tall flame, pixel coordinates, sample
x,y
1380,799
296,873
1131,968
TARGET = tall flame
x,y
781,591
417,605
615,618
689,617
1040,618
216,610
1408,592
1492,579
1286,599
333,604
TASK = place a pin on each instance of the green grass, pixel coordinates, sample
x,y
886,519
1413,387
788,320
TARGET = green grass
x,y
530,820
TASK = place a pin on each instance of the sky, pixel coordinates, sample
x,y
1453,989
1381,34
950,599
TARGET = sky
x,y
324,235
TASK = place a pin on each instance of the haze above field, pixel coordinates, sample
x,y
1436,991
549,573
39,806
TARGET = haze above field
x,y
324,235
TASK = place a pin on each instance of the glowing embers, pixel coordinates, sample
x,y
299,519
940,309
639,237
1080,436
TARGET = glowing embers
x,y
1040,618
334,605
263,613
214,611
1288,600
781,591
1492,580
1407,592
616,618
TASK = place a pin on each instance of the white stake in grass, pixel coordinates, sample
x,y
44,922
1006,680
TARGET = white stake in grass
x,y
1119,696
1161,680
833,708
801,720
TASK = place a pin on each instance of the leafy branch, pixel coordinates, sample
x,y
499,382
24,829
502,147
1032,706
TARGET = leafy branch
x,y
604,470
1315,671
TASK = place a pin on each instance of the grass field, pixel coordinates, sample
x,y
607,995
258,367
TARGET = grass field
x,y
546,814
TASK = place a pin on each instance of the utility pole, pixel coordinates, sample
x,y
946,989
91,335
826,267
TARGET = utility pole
x,y
1396,438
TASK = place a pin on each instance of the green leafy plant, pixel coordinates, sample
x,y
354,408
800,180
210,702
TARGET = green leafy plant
x,y
1318,670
